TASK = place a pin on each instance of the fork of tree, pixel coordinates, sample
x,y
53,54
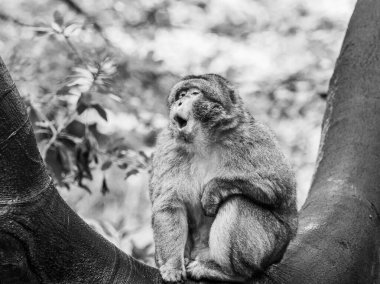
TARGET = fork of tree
x,y
43,241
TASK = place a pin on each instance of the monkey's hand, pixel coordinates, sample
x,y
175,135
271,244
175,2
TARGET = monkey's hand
x,y
213,196
210,203
172,274
210,199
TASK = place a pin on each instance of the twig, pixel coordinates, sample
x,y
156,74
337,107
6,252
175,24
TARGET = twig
x,y
74,49
50,142
76,8
9,18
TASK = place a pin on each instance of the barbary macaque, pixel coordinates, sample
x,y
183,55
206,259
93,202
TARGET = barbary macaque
x,y
223,195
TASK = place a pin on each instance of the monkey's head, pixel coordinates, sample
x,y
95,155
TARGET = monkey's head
x,y
202,108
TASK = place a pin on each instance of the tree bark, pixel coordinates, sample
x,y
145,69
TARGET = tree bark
x,y
43,241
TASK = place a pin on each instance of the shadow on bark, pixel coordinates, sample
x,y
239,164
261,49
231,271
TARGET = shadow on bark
x,y
44,241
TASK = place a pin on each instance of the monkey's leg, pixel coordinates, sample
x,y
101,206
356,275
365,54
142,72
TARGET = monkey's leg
x,y
217,190
170,235
245,239
204,267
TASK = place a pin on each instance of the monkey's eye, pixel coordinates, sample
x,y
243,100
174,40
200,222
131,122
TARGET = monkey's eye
x,y
216,106
181,95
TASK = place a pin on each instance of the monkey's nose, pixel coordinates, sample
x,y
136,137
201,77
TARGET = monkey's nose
x,y
181,122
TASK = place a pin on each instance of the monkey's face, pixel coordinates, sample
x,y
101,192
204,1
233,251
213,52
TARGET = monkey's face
x,y
182,121
201,107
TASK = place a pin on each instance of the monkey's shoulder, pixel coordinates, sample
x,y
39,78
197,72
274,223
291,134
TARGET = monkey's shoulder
x,y
255,133
167,154
168,164
253,152
252,141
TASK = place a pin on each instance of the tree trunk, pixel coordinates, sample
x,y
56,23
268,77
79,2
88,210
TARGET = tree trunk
x,y
43,240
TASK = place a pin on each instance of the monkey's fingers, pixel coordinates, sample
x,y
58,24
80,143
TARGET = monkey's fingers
x,y
210,205
170,274
195,270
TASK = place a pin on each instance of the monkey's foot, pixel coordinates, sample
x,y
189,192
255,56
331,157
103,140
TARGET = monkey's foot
x,y
170,274
196,270
199,270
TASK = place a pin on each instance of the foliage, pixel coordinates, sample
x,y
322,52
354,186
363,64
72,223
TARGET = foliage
x,y
94,75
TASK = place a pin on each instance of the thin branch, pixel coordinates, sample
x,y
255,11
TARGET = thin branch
x,y
74,49
50,142
76,8
8,18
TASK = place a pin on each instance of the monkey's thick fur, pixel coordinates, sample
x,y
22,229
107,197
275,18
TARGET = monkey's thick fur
x,y
223,194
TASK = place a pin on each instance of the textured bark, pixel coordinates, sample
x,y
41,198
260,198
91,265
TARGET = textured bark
x,y
339,231
43,240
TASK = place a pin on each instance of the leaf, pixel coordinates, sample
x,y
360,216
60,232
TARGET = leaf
x,y
85,187
106,165
142,154
81,107
131,172
115,97
84,153
41,33
56,28
105,188
68,140
58,18
123,166
122,154
67,185
101,111
83,102
70,29
63,91
83,72
63,158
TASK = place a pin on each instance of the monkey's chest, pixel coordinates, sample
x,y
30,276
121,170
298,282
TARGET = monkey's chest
x,y
199,224
198,173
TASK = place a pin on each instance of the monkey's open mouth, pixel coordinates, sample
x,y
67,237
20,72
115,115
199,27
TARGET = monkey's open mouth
x,y
180,121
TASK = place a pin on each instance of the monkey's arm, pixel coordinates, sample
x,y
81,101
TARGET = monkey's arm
x,y
170,233
261,191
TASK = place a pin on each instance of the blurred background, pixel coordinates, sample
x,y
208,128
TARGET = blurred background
x,y
95,75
